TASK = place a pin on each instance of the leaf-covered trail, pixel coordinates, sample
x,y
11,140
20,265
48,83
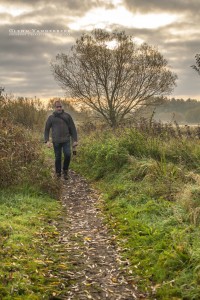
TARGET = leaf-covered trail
x,y
98,272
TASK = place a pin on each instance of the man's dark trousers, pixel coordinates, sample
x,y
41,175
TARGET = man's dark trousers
x,y
58,156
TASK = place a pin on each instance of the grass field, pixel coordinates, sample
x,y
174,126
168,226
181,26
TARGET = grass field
x,y
33,262
151,194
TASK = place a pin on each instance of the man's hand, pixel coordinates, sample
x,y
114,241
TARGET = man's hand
x,y
74,144
49,144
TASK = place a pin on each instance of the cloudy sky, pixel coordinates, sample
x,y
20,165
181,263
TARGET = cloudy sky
x,y
26,50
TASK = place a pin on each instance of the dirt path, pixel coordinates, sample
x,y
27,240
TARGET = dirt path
x,y
98,272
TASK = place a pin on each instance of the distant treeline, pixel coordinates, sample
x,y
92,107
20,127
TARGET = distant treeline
x,y
32,113
183,111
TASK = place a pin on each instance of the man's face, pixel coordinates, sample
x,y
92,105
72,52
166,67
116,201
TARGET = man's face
x,y
58,107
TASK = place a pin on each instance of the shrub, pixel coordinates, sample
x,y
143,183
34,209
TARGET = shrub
x,y
103,156
21,159
134,142
27,112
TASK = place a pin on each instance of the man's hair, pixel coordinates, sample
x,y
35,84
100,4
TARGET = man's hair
x,y
57,102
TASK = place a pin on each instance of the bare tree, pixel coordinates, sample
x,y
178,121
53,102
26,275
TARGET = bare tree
x,y
197,66
1,90
113,75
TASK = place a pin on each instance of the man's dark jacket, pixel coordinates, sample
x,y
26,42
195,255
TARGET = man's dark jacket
x,y
62,126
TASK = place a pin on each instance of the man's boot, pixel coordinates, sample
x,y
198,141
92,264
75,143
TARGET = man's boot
x,y
65,174
58,175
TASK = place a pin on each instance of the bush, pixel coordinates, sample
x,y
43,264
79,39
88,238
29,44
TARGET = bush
x,y
17,149
103,157
134,142
21,159
27,112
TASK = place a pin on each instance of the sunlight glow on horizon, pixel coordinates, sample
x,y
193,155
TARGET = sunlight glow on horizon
x,y
102,18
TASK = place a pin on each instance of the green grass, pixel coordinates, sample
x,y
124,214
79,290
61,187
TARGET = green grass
x,y
152,205
48,152
31,256
158,238
34,263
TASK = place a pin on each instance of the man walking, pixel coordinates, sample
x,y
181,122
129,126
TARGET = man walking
x,y
63,129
